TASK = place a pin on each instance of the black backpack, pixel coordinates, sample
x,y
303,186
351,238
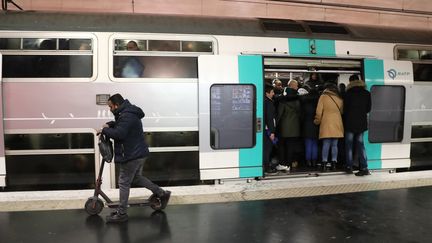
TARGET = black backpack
x,y
106,148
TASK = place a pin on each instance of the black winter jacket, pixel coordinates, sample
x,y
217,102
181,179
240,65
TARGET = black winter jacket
x,y
269,115
309,103
357,104
127,132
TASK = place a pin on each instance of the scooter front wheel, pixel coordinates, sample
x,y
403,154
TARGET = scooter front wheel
x,y
93,206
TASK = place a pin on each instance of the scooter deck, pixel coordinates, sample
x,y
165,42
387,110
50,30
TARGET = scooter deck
x,y
132,203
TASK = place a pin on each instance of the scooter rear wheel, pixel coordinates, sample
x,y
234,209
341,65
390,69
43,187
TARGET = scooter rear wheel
x,y
155,202
93,207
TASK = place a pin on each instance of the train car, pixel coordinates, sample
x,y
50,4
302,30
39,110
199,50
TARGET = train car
x,y
200,83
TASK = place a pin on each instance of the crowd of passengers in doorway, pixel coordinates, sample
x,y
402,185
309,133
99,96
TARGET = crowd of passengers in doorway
x,y
321,125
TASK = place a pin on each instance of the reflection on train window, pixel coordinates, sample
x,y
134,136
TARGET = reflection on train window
x,y
155,67
49,141
422,72
48,161
75,44
420,56
172,168
46,66
176,46
121,44
232,116
386,119
10,43
421,152
424,131
197,46
163,45
171,139
39,44
50,172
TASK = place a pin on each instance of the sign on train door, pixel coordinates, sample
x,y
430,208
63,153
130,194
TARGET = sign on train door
x,y
230,114
2,149
387,141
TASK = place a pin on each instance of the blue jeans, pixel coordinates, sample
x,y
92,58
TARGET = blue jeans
x,y
327,142
350,138
311,149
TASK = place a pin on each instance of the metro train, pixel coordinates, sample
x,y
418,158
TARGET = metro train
x,y
201,89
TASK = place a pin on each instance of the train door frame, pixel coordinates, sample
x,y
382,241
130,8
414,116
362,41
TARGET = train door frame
x,y
231,162
353,65
2,147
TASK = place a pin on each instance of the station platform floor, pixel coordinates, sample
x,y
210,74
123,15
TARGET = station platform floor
x,y
228,191
396,215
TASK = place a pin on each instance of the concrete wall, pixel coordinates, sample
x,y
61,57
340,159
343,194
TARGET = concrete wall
x,y
400,13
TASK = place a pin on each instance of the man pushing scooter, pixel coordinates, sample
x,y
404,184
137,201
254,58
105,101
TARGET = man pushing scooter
x,y
130,153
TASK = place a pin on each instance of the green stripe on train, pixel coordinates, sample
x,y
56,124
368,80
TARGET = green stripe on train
x,y
374,75
251,72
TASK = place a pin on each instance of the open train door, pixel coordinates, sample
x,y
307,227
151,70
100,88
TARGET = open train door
x,y
387,141
230,114
2,148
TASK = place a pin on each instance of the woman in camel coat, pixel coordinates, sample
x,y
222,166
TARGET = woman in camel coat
x,y
328,116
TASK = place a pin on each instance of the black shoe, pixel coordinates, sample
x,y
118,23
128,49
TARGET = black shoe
x,y
333,165
271,172
165,198
348,170
117,217
362,173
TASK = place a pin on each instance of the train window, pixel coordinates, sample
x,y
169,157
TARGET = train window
x,y
49,141
424,131
197,46
420,56
47,66
163,45
171,139
75,44
39,44
122,45
422,72
386,119
408,54
232,116
155,67
50,161
50,172
171,168
47,57
10,43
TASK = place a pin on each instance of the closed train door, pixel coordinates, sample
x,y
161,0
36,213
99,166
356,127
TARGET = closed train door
x,y
387,141
2,148
230,115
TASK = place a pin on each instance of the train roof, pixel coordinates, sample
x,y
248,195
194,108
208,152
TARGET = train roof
x,y
48,21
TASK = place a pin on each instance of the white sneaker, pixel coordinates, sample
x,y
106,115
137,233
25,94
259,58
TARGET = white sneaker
x,y
282,167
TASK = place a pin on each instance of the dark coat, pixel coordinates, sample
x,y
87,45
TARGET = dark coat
x,y
309,103
269,115
357,104
127,132
288,115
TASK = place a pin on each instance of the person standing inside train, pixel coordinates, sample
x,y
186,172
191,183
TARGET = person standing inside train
x,y
270,129
309,101
357,104
132,66
328,116
130,153
288,126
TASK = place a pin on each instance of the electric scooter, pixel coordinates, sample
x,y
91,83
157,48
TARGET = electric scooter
x,y
94,205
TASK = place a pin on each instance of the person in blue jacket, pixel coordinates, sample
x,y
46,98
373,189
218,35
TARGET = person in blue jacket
x,y
130,153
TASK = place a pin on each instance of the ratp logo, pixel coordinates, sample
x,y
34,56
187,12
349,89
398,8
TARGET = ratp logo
x,y
392,73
